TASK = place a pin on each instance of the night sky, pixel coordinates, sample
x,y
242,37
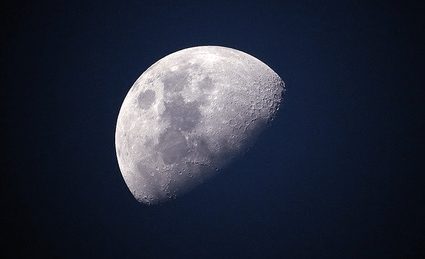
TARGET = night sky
x,y
338,175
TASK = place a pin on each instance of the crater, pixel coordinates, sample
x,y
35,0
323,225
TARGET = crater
x,y
146,99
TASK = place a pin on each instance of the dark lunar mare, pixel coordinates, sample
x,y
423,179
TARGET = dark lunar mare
x,y
182,116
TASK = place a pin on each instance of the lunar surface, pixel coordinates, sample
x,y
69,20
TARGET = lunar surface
x,y
189,115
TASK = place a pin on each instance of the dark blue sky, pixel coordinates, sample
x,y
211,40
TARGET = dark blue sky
x,y
339,175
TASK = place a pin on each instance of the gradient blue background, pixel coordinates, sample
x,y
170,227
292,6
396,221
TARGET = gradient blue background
x,y
339,175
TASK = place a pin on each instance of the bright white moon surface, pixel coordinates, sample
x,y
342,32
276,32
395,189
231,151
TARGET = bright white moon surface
x,y
189,115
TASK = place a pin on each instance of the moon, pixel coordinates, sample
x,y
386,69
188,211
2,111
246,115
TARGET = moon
x,y
189,115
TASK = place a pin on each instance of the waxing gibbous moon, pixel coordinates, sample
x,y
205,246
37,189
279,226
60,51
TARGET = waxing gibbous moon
x,y
189,115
